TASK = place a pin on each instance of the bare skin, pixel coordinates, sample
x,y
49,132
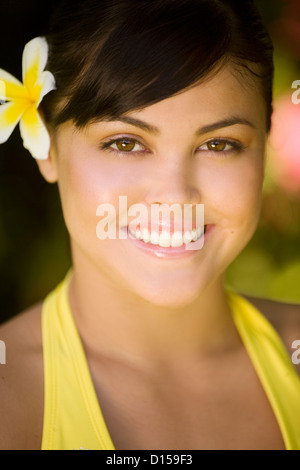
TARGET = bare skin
x,y
187,382
217,403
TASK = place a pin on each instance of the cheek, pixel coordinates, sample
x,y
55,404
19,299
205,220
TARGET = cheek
x,y
82,189
234,191
87,182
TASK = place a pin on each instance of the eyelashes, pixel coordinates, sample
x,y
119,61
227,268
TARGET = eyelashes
x,y
130,146
222,146
123,145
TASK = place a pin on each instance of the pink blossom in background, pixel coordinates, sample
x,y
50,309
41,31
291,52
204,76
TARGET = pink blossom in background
x,y
285,144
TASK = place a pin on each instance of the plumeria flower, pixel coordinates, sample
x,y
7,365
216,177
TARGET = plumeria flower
x,y
21,100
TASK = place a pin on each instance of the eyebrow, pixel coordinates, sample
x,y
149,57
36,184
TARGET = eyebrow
x,y
138,123
231,121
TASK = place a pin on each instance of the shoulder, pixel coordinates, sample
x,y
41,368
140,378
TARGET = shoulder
x,y
21,381
285,318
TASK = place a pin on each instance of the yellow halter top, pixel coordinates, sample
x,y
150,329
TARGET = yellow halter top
x,y
72,415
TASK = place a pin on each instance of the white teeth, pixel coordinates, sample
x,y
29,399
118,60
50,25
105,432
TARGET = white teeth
x,y
154,238
138,234
187,237
165,240
177,240
146,235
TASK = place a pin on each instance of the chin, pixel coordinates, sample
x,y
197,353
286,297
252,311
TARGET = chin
x,y
171,295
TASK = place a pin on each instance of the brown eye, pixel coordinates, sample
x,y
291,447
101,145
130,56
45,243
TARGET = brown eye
x,y
217,145
222,147
125,145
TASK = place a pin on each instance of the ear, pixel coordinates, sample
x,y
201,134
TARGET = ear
x,y
48,168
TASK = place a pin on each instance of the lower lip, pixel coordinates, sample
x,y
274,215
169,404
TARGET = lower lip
x,y
157,251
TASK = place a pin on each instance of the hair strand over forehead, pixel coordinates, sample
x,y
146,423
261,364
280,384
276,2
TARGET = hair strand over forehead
x,y
113,56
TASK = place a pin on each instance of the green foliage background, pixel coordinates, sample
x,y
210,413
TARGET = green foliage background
x,y
34,246
270,265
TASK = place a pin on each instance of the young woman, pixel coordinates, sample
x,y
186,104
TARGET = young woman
x,y
142,346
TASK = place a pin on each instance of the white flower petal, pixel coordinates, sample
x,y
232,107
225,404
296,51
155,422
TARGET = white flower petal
x,y
46,82
10,115
10,87
24,99
2,92
35,136
35,58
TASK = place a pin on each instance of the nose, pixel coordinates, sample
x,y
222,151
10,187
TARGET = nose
x,y
175,182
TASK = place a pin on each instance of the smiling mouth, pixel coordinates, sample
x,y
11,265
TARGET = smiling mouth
x,y
168,239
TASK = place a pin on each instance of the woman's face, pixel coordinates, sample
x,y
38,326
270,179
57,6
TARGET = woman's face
x,y
204,146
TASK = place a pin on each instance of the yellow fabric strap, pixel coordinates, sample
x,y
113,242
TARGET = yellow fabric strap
x,y
72,415
273,366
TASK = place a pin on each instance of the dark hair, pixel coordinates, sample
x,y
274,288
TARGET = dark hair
x,y
113,56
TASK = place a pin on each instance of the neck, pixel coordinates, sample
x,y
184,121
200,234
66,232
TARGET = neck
x,y
116,323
